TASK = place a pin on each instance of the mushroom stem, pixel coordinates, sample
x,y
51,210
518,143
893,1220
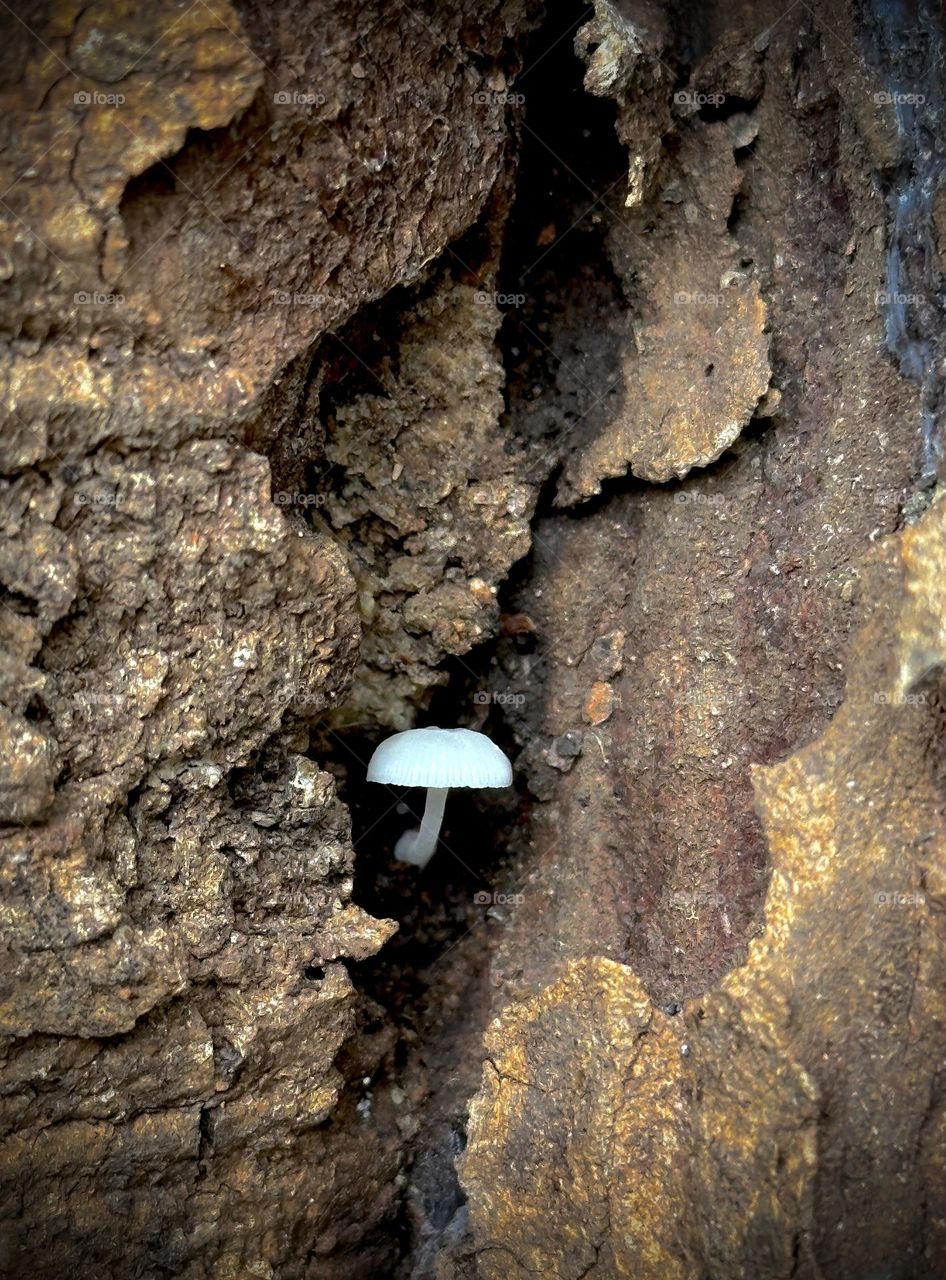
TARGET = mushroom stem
x,y
418,847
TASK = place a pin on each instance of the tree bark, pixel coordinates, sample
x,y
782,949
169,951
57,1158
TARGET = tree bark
x,y
574,374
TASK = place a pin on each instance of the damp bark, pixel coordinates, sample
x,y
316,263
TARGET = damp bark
x,y
568,375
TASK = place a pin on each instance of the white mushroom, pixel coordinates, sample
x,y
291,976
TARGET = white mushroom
x,y
437,759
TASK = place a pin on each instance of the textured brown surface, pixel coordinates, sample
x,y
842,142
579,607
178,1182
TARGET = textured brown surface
x,y
695,358
720,608
158,924
369,362
567,1076
172,304
719,615
759,1132
191,198
433,513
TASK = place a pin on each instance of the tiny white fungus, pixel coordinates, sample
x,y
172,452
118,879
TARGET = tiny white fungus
x,y
437,759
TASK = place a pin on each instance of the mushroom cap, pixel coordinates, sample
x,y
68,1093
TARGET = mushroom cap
x,y
440,758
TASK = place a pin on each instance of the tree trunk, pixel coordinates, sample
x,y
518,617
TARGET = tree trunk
x,y
570,374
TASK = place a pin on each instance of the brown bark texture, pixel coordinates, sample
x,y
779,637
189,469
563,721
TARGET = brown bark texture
x,y
572,373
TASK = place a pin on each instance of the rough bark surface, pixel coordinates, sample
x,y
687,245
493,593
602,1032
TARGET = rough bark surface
x,y
191,198
742,1136
572,374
